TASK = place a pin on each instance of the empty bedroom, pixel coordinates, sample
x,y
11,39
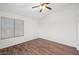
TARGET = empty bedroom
x,y
39,28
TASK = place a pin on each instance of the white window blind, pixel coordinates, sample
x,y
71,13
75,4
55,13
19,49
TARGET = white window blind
x,y
10,28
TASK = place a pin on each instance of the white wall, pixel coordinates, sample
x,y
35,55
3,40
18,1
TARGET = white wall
x,y
77,27
60,25
29,30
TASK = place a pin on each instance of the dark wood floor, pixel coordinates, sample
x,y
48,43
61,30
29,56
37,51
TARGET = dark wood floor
x,y
39,47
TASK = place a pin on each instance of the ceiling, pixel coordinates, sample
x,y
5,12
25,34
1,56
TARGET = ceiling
x,y
25,9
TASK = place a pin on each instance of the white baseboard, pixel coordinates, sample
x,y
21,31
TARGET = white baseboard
x,y
14,41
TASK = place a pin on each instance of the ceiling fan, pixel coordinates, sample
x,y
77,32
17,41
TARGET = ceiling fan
x,y
43,6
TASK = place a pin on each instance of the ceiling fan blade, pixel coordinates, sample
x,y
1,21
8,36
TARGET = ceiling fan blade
x,y
36,6
40,10
47,3
48,8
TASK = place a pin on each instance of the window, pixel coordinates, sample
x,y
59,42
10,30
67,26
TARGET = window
x,y
10,28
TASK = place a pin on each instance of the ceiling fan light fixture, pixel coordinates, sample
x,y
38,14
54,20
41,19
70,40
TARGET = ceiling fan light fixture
x,y
43,6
